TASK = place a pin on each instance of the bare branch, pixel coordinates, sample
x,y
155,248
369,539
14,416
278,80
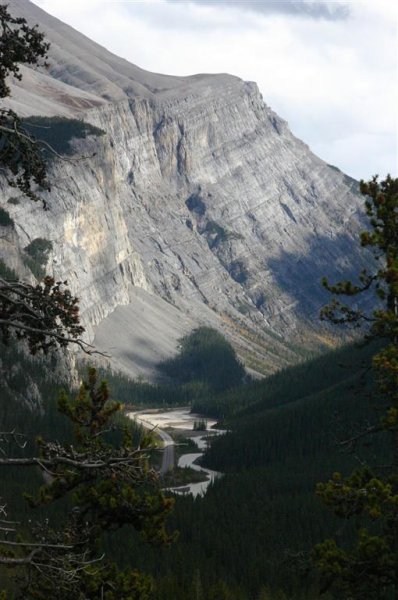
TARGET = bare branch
x,y
34,545
85,346
113,461
6,529
46,314
15,437
26,560
368,431
39,142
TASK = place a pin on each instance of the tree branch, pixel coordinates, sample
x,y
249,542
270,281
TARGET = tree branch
x,y
35,141
85,346
26,560
368,431
78,464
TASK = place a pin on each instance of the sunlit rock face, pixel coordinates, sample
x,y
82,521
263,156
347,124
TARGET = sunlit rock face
x,y
198,194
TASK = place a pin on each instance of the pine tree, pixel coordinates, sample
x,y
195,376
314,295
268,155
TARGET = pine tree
x,y
369,569
105,486
46,315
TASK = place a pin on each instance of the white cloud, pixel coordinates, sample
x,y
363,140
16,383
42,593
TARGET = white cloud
x,y
314,9
335,81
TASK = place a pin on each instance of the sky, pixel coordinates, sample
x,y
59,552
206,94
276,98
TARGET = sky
x,y
328,68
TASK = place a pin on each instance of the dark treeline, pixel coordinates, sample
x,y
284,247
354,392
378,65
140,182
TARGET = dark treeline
x,y
204,367
142,393
205,356
283,387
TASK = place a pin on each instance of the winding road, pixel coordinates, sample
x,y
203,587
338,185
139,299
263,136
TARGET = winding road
x,y
168,445
168,452
183,420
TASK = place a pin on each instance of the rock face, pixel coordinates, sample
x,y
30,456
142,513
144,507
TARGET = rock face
x,y
198,194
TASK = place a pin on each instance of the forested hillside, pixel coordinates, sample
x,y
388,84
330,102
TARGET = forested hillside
x,y
255,528
249,538
285,386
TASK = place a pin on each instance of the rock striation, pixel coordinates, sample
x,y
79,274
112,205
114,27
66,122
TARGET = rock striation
x,y
198,195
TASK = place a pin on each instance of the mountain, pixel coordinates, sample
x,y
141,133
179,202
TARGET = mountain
x,y
196,205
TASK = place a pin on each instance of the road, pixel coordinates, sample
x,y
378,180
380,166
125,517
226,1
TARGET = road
x,y
168,452
168,445
168,456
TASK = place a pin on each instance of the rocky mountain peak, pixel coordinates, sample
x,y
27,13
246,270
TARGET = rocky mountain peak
x,y
199,207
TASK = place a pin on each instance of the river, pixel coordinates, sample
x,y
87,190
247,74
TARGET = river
x,y
182,420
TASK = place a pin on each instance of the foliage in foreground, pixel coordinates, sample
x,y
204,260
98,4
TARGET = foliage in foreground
x,y
45,315
103,486
20,157
369,568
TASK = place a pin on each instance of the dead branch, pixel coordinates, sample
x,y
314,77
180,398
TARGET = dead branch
x,y
81,464
25,560
34,545
368,431
85,346
34,141
46,314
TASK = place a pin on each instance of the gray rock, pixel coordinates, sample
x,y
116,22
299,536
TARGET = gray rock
x,y
198,194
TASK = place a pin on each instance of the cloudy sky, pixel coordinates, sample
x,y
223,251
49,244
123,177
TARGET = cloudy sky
x,y
328,68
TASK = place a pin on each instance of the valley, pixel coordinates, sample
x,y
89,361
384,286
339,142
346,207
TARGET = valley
x,y
198,329
183,422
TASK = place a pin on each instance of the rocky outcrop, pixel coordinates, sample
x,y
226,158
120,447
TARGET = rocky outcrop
x,y
198,194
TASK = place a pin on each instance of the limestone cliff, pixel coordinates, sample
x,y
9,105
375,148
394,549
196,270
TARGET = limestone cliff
x,y
198,194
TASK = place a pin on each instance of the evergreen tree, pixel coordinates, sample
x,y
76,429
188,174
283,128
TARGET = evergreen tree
x,y
206,358
45,315
21,157
370,494
105,486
